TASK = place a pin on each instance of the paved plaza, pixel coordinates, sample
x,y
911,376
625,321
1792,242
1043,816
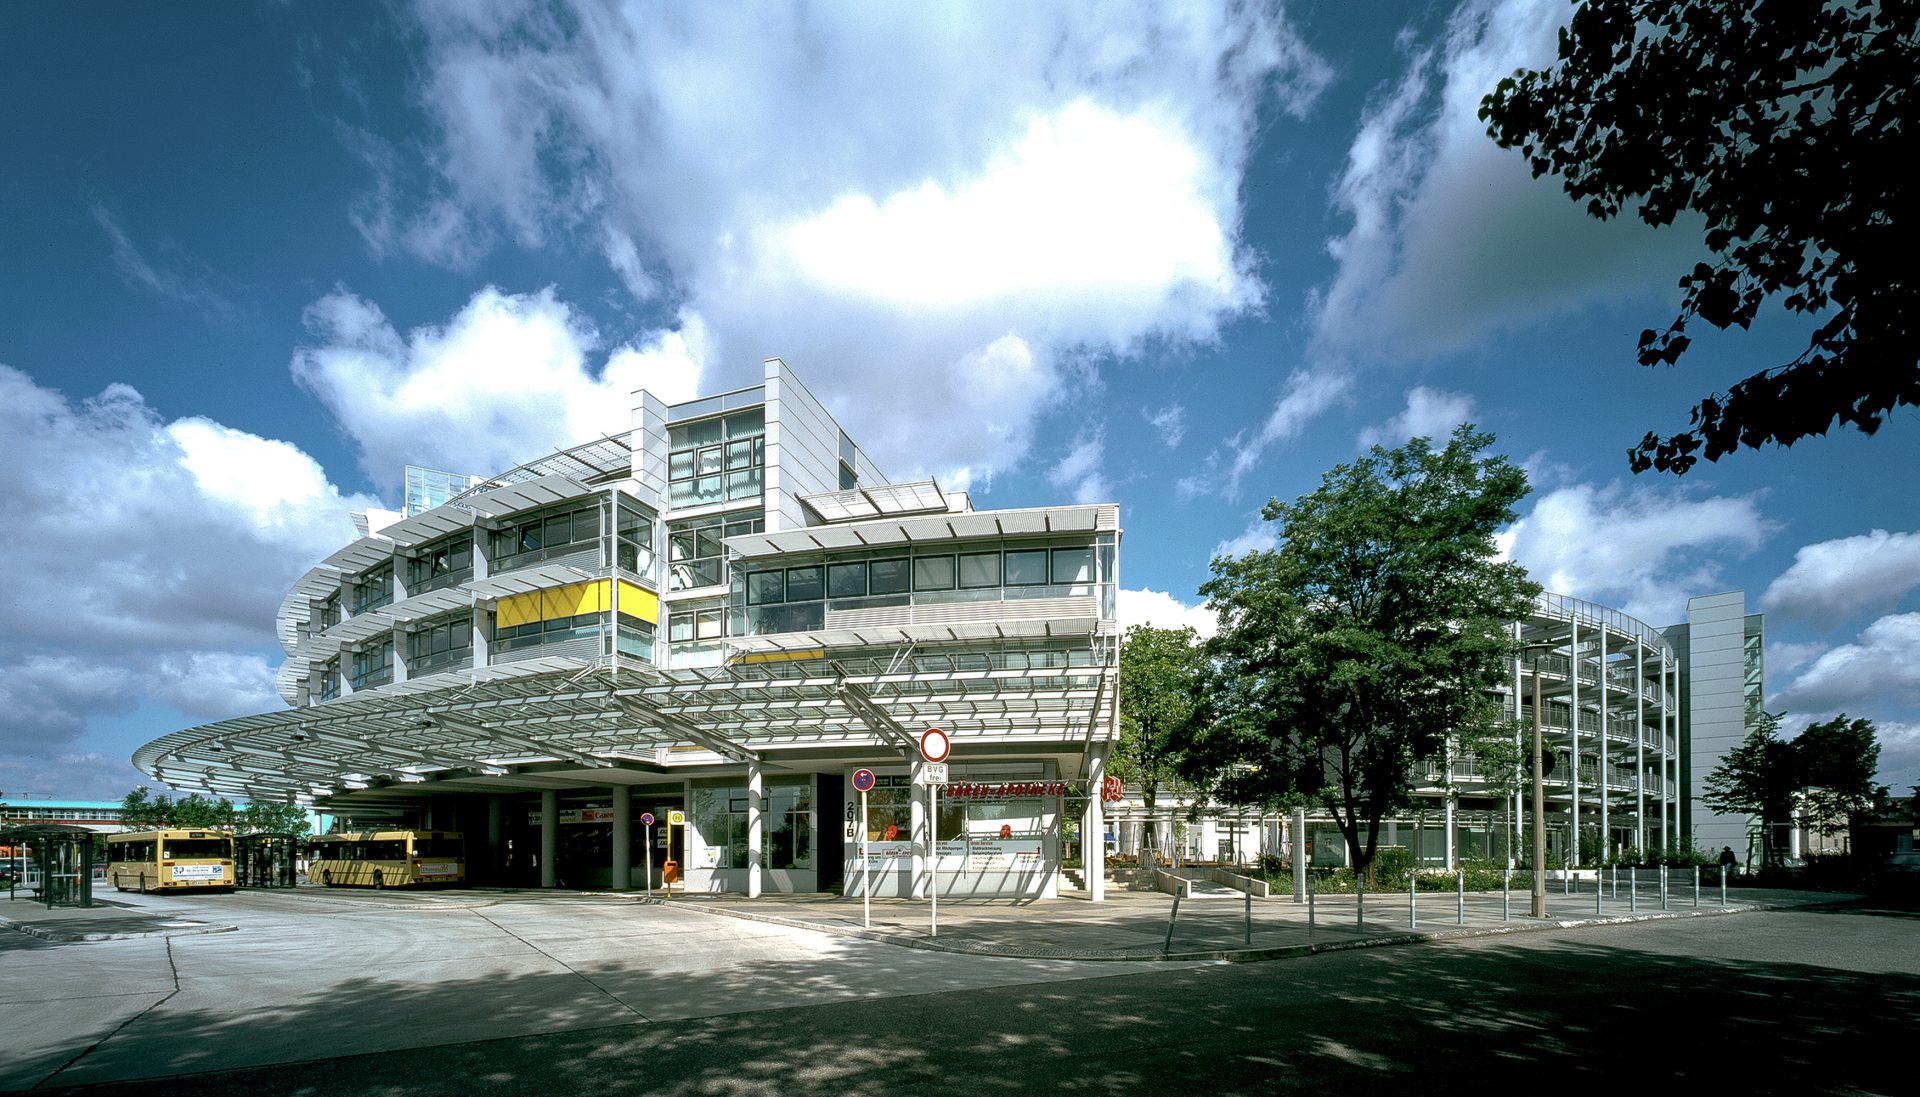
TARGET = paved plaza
x,y
163,986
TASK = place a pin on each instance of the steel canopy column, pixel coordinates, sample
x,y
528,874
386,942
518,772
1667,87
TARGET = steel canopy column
x,y
549,835
756,825
1093,828
622,837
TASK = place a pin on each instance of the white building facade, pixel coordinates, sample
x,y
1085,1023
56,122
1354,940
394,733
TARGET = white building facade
x,y
719,616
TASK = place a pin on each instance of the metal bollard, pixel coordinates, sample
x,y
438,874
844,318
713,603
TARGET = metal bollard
x,y
1168,947
1633,888
1249,915
1413,902
1613,881
1663,887
1309,908
1566,881
1696,887
1460,884
1359,901
1723,885
1506,897
1598,892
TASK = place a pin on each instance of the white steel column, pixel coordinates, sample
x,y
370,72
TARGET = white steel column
x,y
622,837
549,835
756,825
1572,859
1093,830
1639,746
1606,776
922,861
1297,853
1450,794
1672,715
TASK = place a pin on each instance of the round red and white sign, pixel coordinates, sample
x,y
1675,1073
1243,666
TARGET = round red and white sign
x,y
863,780
934,745
646,818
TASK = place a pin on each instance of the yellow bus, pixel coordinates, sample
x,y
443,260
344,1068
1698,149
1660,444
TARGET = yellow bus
x,y
388,858
170,860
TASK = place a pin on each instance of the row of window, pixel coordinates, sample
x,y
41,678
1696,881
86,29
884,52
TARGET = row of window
x,y
695,557
903,575
373,589
716,460
543,532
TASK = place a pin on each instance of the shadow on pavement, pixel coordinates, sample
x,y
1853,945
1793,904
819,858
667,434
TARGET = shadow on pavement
x,y
1571,1012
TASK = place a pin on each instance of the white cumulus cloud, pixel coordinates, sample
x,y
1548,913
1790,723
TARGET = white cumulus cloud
x,y
851,189
1832,580
1162,610
158,552
1643,550
1430,414
1880,669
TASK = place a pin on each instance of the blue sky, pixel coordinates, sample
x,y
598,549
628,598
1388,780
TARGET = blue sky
x,y
255,260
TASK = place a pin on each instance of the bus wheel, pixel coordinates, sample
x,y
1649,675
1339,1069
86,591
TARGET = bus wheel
x,y
326,877
377,883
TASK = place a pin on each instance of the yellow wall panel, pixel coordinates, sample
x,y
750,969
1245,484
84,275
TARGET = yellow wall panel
x,y
640,603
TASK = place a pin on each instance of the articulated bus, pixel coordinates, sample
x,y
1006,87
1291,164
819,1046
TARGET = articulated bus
x,y
388,858
170,860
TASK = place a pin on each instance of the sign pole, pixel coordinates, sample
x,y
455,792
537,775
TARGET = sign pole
x,y
933,859
649,860
866,869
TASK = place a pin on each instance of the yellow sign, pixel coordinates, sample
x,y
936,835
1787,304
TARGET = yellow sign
x,y
677,818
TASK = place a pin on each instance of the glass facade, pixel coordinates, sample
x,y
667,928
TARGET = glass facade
x,y
694,554
796,597
429,488
717,460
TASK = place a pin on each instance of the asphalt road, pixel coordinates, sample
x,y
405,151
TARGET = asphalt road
x,y
1810,1001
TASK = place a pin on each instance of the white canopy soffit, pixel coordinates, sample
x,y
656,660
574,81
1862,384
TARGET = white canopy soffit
x,y
567,717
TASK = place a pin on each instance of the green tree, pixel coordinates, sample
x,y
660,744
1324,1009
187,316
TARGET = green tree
x,y
141,809
1373,633
1836,762
272,819
1163,695
1759,778
1787,126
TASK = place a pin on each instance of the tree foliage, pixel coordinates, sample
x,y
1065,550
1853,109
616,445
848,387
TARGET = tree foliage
x,y
1163,696
1785,124
1825,776
1376,630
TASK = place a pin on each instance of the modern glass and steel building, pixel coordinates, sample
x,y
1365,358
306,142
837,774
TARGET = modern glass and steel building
x,y
714,619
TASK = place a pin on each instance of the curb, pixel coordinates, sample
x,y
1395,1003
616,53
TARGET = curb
x,y
67,938
1237,955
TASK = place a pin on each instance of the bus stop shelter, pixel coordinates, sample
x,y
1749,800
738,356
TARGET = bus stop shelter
x,y
58,868
265,860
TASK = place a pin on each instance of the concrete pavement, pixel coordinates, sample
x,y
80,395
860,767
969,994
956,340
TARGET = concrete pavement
x,y
144,989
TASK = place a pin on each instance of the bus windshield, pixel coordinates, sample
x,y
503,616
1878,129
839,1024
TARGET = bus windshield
x,y
197,847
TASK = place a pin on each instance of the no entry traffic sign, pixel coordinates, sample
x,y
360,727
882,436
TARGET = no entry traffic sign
x,y
646,818
862,780
934,745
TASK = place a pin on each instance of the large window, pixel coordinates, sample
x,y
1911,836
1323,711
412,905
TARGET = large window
x,y
445,642
720,818
544,534
373,666
441,564
694,554
793,599
330,611
373,589
717,460
330,680
633,546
